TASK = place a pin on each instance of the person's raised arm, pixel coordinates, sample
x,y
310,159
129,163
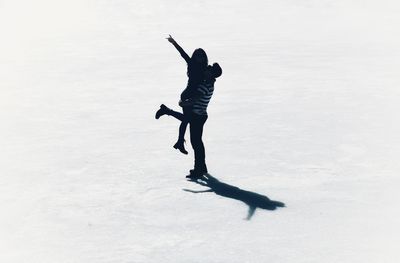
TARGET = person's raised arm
x,y
180,50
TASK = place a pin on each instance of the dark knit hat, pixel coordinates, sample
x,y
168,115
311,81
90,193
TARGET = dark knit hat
x,y
216,70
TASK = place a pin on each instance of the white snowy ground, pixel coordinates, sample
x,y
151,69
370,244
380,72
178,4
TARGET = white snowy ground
x,y
306,113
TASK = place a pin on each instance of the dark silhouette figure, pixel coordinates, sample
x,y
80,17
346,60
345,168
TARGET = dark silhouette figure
x,y
198,116
253,200
194,102
196,66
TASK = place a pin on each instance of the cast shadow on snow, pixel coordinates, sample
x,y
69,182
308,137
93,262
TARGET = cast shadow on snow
x,y
253,200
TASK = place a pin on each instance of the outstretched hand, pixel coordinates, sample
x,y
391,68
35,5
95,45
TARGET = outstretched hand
x,y
170,39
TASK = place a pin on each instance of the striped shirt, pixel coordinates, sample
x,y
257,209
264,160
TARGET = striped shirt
x,y
205,90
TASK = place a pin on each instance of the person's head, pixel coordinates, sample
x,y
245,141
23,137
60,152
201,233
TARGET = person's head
x,y
212,72
199,57
216,70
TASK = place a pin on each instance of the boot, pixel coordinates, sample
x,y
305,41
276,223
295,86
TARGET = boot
x,y
195,174
180,146
162,111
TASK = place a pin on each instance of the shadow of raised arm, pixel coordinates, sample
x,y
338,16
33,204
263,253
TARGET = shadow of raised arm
x,y
196,192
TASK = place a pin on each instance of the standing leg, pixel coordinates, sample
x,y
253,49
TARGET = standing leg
x,y
196,132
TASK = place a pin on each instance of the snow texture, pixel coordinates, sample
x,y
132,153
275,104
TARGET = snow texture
x,y
306,113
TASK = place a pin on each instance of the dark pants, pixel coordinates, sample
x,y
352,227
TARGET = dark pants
x,y
184,118
196,132
187,112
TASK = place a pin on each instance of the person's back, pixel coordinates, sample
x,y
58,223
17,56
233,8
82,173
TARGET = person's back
x,y
205,90
195,72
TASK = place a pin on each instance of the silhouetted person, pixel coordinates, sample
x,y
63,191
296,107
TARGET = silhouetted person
x,y
201,98
196,65
198,105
